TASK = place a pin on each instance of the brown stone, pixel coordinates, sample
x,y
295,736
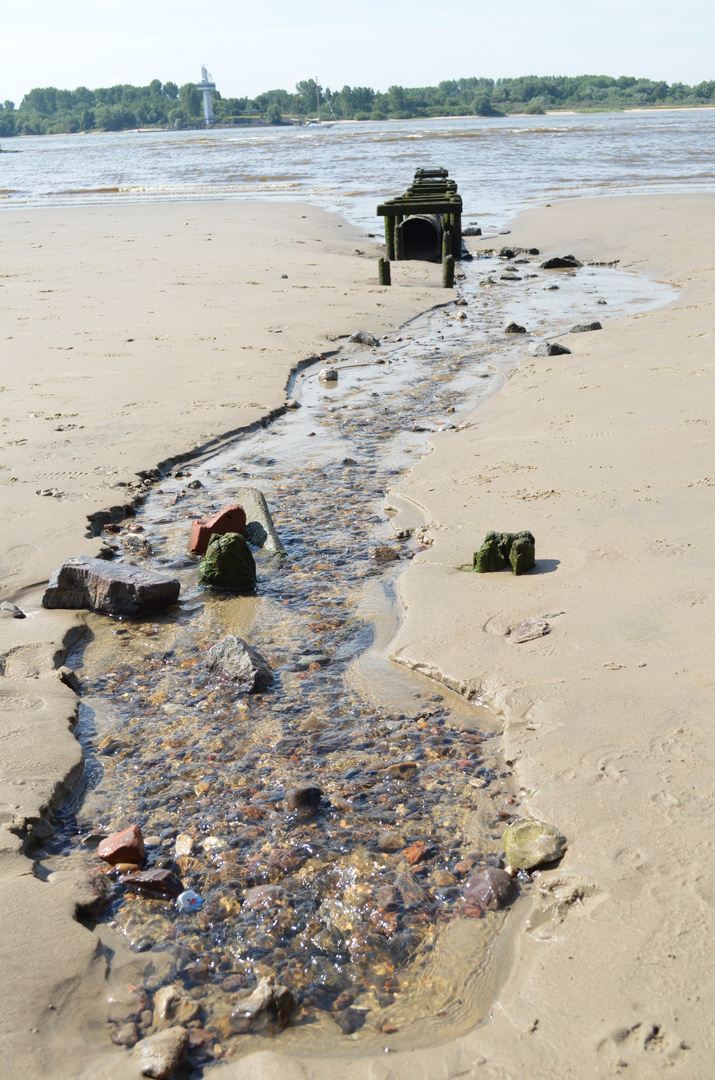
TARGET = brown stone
x,y
230,519
305,798
123,847
158,883
262,897
489,887
416,852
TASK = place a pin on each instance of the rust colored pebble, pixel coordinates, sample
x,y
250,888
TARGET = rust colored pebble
x,y
123,847
230,519
389,1029
416,852
471,911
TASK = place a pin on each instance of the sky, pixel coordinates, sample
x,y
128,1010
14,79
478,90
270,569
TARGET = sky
x,y
250,47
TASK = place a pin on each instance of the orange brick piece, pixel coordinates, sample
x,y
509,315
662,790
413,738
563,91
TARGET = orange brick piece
x,y
230,519
123,847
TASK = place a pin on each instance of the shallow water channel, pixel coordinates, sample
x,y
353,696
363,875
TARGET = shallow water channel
x,y
365,920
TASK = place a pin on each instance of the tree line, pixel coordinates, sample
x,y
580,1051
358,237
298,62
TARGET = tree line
x,y
49,111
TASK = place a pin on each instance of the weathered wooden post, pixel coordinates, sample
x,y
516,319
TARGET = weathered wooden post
x,y
389,236
448,272
383,271
447,245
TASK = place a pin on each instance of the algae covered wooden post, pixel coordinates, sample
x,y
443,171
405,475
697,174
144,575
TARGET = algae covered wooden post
x,y
383,271
389,236
448,272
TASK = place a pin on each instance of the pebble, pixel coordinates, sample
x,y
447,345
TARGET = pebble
x,y
583,328
160,1054
12,610
184,845
306,798
126,1035
383,553
489,887
160,883
172,1007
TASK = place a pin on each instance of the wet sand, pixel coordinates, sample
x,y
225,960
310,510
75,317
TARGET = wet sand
x,y
605,455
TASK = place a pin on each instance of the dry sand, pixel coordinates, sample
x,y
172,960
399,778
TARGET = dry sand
x,y
604,455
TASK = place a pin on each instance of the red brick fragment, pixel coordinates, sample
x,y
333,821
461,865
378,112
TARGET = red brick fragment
x,y
230,519
123,847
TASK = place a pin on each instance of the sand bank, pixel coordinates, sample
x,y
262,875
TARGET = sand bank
x,y
605,455
132,336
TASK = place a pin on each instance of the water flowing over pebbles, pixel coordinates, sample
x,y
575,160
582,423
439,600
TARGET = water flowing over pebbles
x,y
332,819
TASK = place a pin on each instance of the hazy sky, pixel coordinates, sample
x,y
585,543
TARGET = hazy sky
x,y
250,47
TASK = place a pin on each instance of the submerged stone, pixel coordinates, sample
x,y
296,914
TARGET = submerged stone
x,y
125,590
529,843
228,564
235,659
489,888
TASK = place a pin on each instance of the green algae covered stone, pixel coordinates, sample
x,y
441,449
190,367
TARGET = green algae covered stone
x,y
500,550
530,843
522,553
228,564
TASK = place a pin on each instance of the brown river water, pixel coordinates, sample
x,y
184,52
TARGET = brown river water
x,y
365,919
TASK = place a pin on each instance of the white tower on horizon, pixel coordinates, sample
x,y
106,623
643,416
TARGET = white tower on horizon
x,y
206,86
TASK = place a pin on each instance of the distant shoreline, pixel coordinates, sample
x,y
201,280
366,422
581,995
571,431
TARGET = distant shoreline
x,y
387,120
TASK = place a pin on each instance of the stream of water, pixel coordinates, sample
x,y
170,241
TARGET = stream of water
x,y
364,917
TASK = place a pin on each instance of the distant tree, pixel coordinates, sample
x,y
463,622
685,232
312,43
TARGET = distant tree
x,y
191,101
86,120
170,90
273,113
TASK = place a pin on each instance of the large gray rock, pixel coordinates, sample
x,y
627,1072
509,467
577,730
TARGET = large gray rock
x,y
236,660
364,337
585,327
548,348
161,1053
113,589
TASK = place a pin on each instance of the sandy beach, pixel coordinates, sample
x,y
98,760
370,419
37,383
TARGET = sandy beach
x,y
134,335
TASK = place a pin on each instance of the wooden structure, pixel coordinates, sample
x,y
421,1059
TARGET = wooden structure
x,y
429,213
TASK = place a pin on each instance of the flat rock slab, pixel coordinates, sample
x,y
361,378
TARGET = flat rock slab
x,y
112,589
529,630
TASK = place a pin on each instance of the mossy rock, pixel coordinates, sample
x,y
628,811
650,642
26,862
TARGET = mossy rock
x,y
500,550
228,564
530,843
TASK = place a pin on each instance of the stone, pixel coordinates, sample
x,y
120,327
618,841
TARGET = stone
x,y
137,545
350,1020
160,1054
292,404
11,610
125,1035
228,564
496,553
364,337
548,348
237,661
416,852
69,677
530,843
507,253
489,888
383,553
390,841
172,1007
153,883
522,553
529,630
277,1001
402,770
232,519
123,847
561,262
514,328
305,798
328,374
262,897
121,590
184,845
585,327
